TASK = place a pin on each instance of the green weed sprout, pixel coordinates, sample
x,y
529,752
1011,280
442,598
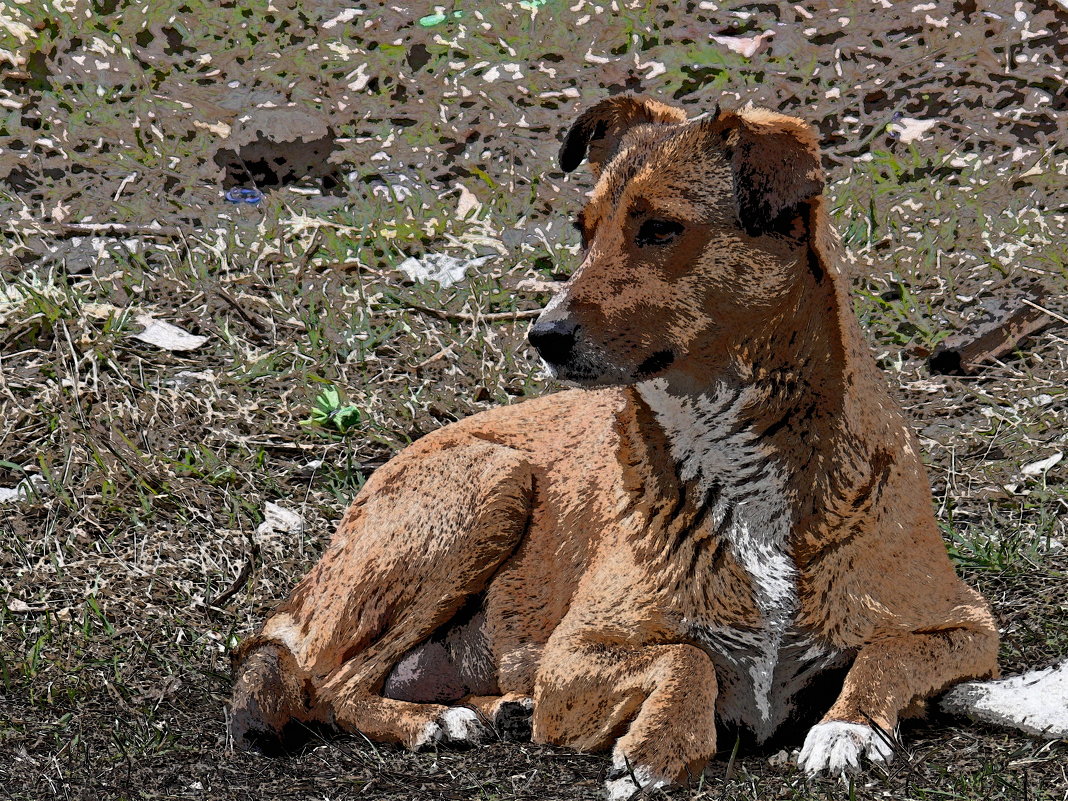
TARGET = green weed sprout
x,y
331,412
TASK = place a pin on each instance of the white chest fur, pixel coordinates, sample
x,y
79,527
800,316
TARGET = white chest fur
x,y
759,670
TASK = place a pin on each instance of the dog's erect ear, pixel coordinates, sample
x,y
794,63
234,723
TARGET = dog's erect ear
x,y
597,132
776,164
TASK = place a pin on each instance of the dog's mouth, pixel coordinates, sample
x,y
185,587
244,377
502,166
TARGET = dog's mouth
x,y
594,373
659,361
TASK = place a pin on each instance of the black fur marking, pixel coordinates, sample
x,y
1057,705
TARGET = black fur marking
x,y
726,522
759,219
714,557
775,427
660,360
881,462
747,477
814,266
700,515
624,172
832,547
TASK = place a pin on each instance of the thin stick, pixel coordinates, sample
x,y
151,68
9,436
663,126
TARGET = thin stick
x,y
239,582
1044,310
93,229
466,317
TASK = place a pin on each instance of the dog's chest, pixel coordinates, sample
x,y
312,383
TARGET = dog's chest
x,y
759,668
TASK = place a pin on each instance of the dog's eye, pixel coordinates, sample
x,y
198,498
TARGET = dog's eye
x,y
657,232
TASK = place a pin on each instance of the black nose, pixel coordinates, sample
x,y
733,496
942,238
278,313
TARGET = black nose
x,y
554,340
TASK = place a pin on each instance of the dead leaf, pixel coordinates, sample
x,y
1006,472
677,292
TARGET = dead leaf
x,y
24,490
909,129
20,607
925,385
166,336
746,46
278,519
446,270
1042,465
220,129
467,204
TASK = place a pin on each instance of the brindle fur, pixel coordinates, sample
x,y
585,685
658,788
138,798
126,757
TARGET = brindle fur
x,y
731,505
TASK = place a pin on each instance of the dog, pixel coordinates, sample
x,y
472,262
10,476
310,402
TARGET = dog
x,y
727,508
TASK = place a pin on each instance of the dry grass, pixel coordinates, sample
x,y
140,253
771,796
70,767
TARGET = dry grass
x,y
151,469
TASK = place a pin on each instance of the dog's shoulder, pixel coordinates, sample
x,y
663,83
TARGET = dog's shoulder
x,y
554,414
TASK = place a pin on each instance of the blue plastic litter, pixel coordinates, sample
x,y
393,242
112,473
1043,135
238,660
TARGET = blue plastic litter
x,y
242,194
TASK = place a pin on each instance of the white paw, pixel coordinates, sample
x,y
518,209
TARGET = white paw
x,y
461,726
457,725
430,736
836,747
624,782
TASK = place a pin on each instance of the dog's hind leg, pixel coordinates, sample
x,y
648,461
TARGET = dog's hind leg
x,y
508,714
428,531
269,692
660,698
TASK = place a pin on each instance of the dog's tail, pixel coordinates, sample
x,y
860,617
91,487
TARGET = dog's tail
x,y
269,693
1035,702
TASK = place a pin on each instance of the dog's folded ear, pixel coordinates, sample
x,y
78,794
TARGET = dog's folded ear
x,y
598,131
776,164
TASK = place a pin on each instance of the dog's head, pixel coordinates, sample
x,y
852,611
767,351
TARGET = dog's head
x,y
696,233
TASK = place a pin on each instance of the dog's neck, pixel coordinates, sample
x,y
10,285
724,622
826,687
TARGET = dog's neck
x,y
800,363
793,389
702,428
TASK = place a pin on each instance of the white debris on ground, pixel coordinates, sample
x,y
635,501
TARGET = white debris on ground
x,y
446,270
166,336
745,46
26,489
278,519
1042,465
1035,702
908,129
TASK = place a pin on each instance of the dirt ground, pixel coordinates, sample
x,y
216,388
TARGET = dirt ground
x,y
137,547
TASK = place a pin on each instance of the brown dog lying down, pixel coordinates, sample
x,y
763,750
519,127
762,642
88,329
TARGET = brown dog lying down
x,y
731,506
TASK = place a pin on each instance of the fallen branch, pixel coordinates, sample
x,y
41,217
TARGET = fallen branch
x,y
1012,320
1044,310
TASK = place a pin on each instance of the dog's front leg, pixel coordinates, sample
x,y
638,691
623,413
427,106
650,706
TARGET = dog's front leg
x,y
589,691
886,678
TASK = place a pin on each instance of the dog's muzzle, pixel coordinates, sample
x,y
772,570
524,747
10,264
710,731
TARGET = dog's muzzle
x,y
554,340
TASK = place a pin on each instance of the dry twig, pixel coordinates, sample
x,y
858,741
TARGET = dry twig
x,y
467,317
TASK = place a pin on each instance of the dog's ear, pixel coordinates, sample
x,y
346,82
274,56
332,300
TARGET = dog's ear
x,y
596,134
775,160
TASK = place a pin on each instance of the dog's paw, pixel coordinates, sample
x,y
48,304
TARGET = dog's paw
x,y
625,781
457,725
461,726
512,718
836,748
430,735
